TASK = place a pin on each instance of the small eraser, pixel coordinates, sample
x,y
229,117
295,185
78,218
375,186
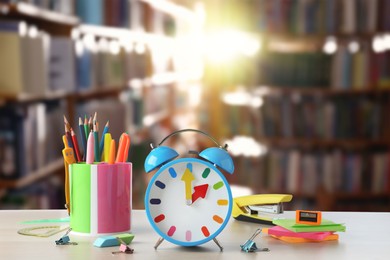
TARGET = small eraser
x,y
112,240
122,248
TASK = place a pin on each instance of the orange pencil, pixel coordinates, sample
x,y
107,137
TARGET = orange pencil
x,y
127,148
111,155
121,148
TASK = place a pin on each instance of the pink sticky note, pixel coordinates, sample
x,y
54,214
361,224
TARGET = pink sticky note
x,y
279,231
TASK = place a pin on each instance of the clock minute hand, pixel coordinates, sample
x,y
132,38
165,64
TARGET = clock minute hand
x,y
188,177
200,192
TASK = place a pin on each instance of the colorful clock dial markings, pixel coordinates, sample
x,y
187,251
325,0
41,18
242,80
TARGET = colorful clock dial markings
x,y
218,219
218,185
172,172
206,173
222,202
155,201
171,231
159,218
160,184
188,235
189,166
205,231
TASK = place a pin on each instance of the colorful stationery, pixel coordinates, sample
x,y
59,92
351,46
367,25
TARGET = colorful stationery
x,y
326,225
101,146
83,136
107,146
75,145
280,231
96,138
111,155
69,158
90,149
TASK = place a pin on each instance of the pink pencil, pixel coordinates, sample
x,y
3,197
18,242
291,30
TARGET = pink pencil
x,y
90,149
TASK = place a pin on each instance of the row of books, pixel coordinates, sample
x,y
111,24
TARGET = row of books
x,y
48,194
321,16
38,63
28,136
294,69
360,70
114,13
323,118
343,70
336,171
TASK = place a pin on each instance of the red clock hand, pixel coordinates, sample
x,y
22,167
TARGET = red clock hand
x,y
200,192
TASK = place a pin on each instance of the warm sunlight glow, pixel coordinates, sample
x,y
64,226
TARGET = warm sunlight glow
x,y
246,146
226,45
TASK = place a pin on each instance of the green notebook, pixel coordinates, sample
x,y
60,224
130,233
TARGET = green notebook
x,y
326,225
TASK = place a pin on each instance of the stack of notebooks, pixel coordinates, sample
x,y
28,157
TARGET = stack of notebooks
x,y
289,231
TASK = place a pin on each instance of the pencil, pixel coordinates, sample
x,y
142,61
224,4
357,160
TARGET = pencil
x,y
107,144
96,141
121,147
83,136
127,148
68,137
101,146
75,145
111,156
67,125
86,128
90,151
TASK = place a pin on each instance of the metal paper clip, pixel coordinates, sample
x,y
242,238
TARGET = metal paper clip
x,y
250,246
65,240
123,248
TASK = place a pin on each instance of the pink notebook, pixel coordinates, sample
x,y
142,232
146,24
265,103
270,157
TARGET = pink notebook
x,y
279,231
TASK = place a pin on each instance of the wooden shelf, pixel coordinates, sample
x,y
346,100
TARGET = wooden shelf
x,y
52,22
328,143
288,42
321,91
32,177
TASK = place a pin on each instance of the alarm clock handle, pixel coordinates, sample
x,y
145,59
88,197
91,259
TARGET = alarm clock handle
x,y
193,130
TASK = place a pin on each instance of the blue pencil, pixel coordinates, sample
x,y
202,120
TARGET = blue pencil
x,y
105,131
83,137
96,136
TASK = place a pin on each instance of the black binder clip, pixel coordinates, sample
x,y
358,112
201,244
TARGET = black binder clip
x,y
65,240
250,246
123,248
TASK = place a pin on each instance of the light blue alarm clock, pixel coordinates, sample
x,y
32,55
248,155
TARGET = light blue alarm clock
x,y
188,201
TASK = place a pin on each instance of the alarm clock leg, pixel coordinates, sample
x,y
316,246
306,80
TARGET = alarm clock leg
x,y
159,241
218,244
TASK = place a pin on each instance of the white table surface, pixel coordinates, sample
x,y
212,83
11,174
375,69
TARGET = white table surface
x,y
367,237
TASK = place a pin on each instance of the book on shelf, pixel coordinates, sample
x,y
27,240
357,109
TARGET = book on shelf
x,y
62,71
321,17
335,171
26,138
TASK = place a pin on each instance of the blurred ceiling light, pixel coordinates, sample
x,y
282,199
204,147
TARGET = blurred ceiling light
x,y
226,45
114,47
386,41
246,146
241,97
353,46
330,45
33,32
22,29
378,44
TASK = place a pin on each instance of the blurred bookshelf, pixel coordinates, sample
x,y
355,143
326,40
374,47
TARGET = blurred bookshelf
x,y
310,106
118,58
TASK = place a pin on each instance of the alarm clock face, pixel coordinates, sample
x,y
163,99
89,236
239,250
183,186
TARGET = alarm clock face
x,y
188,201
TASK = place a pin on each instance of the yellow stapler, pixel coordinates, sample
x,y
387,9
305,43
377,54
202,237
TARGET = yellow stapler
x,y
260,208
